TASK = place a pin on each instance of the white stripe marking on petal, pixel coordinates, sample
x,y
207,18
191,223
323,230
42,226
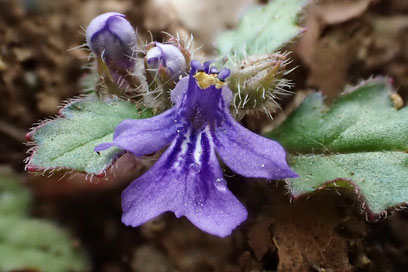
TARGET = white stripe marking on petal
x,y
198,150
184,147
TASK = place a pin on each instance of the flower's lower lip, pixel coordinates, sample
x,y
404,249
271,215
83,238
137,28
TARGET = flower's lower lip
x,y
190,183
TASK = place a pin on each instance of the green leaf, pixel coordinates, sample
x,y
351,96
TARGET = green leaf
x,y
263,29
68,142
31,244
36,244
14,198
360,142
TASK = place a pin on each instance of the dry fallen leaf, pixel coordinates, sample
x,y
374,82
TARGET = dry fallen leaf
x,y
314,234
329,56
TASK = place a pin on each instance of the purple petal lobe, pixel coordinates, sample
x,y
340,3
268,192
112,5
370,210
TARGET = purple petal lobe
x,y
180,89
103,146
213,70
196,66
144,136
249,154
224,73
207,65
188,181
227,95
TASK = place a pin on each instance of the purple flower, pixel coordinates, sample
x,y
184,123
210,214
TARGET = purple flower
x,y
187,178
166,56
111,37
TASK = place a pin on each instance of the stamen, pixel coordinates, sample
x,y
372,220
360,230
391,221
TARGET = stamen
x,y
205,80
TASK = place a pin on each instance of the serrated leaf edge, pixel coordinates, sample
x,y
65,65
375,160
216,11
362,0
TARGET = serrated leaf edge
x,y
29,167
370,215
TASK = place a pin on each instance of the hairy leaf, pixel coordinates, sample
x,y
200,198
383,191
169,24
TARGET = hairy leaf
x,y
68,142
360,142
263,29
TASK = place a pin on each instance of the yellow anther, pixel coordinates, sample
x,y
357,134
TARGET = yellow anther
x,y
397,101
205,80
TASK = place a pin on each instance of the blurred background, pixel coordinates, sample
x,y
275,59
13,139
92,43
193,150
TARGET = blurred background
x,y
345,42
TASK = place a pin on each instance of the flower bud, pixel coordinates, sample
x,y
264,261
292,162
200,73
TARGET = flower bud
x,y
167,57
112,38
165,63
257,81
